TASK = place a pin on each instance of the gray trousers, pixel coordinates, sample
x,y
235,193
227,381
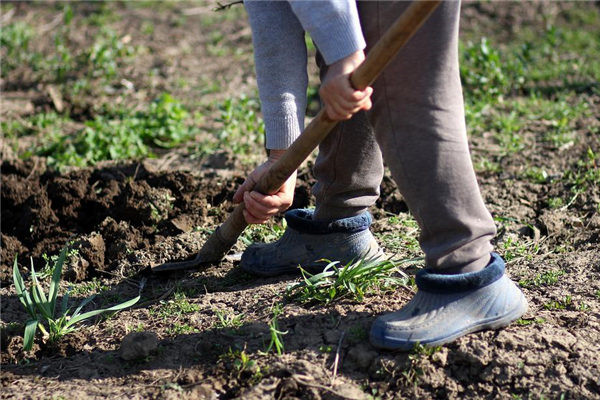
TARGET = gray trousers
x,y
417,125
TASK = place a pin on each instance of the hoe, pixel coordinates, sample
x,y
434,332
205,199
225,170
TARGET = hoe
x,y
221,241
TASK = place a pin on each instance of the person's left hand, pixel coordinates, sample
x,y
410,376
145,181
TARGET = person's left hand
x,y
340,99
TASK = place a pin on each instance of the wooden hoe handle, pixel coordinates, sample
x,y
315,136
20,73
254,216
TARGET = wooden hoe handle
x,y
221,241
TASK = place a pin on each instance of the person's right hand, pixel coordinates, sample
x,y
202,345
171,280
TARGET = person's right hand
x,y
340,99
259,207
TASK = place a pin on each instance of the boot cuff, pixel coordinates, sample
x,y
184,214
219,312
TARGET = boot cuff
x,y
301,220
429,281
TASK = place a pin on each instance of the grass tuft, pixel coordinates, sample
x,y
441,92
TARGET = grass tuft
x,y
354,280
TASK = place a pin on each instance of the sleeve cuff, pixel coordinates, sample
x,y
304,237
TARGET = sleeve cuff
x,y
284,122
348,34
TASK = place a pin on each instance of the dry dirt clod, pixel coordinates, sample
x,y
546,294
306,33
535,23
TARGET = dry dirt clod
x,y
138,345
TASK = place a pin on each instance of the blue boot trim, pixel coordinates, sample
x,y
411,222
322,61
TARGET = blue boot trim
x,y
429,281
302,221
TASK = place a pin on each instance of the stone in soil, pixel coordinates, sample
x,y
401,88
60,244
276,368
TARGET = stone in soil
x,y
138,345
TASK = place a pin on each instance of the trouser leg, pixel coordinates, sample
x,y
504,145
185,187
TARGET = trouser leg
x,y
418,117
348,169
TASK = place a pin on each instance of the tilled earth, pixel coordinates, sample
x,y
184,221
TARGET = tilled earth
x,y
124,217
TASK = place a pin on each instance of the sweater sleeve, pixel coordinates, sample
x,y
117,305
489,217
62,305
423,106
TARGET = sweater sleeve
x,y
334,25
280,61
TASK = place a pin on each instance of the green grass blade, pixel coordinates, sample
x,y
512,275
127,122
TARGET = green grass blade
x,y
83,304
55,283
29,335
39,297
65,302
90,314
21,290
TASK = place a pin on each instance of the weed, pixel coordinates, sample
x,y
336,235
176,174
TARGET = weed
x,y
352,280
15,39
242,363
128,135
276,342
555,202
426,351
325,349
506,128
585,176
176,307
405,236
416,356
484,164
242,129
42,308
482,71
515,248
171,386
546,279
140,327
50,261
559,304
537,175
530,321
228,320
263,233
181,329
94,286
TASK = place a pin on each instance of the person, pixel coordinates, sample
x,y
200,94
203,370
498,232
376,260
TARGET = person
x,y
413,118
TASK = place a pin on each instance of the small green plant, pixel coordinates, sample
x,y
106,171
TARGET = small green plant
x,y
276,334
325,348
546,279
404,237
263,233
121,136
524,321
559,304
42,308
426,351
177,307
91,286
516,248
15,39
180,329
242,128
537,175
555,202
482,71
228,320
242,363
417,355
352,280
585,176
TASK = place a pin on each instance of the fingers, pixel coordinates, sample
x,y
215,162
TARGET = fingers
x,y
258,208
247,186
251,219
260,205
341,101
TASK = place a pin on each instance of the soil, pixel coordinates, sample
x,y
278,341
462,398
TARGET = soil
x,y
123,217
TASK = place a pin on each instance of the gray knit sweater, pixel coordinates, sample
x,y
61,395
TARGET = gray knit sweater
x,y
280,55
